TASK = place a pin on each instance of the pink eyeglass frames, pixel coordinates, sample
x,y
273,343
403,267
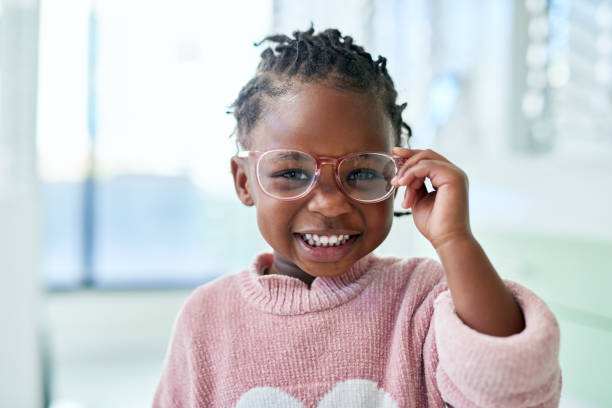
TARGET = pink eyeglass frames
x,y
288,174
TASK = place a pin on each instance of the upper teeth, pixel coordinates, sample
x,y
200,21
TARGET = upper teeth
x,y
325,240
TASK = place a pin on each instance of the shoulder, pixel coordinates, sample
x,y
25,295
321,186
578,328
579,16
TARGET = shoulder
x,y
204,301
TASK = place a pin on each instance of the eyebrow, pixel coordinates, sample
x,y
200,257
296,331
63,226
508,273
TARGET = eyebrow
x,y
366,156
289,155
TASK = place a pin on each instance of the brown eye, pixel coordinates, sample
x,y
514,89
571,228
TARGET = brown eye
x,y
364,175
293,174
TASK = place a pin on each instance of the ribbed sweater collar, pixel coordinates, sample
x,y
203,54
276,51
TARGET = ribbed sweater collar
x,y
287,295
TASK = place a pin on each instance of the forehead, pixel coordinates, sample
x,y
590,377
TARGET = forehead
x,y
324,121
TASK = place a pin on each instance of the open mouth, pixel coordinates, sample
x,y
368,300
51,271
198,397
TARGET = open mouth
x,y
318,241
326,248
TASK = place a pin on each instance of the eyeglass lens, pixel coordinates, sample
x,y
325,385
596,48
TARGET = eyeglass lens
x,y
289,174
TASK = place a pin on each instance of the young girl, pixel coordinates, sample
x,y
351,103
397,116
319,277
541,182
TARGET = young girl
x,y
322,321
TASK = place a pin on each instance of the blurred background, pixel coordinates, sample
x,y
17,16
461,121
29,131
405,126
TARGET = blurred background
x,y
116,197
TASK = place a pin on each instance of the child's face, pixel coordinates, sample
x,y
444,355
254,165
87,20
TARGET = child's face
x,y
327,122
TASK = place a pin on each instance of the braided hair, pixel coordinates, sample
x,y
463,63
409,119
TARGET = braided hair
x,y
308,57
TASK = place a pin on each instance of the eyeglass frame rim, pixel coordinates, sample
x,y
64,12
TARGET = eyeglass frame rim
x,y
320,160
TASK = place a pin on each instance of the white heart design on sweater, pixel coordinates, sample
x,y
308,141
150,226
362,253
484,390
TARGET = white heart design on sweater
x,y
267,397
350,393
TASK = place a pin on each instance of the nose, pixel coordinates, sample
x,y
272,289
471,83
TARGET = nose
x,y
327,199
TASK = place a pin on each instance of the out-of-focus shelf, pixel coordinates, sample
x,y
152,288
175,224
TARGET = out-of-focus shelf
x,y
571,275
568,272
555,196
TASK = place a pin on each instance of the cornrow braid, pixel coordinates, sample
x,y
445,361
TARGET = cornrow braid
x,y
308,57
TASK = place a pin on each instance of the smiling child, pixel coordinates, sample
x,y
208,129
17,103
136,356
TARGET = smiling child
x,y
322,321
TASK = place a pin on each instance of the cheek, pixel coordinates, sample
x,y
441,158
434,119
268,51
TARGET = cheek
x,y
274,220
267,229
381,218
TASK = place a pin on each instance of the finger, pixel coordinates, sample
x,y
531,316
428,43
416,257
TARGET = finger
x,y
420,193
407,195
412,196
404,152
415,173
420,155
417,183
438,172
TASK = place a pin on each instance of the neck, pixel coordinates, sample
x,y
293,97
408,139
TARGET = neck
x,y
283,266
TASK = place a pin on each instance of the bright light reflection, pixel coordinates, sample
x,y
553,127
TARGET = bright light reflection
x,y
559,74
538,27
162,94
62,141
537,79
604,44
533,104
535,6
536,55
603,71
603,15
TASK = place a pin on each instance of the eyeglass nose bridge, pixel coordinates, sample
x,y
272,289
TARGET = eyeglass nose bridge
x,y
334,162
321,160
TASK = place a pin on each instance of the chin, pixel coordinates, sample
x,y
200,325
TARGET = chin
x,y
326,269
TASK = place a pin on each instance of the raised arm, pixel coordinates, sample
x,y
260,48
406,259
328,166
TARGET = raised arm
x,y
481,299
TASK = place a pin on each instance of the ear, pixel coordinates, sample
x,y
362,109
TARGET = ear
x,y
240,172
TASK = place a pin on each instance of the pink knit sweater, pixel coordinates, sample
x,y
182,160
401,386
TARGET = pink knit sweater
x,y
383,334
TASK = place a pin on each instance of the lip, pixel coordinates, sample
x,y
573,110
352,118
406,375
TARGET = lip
x,y
329,232
326,254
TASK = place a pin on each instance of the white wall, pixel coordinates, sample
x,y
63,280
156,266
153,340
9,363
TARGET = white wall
x,y
20,369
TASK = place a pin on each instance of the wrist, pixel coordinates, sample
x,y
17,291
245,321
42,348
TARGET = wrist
x,y
454,240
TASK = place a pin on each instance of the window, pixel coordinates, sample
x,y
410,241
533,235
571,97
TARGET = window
x,y
132,101
567,81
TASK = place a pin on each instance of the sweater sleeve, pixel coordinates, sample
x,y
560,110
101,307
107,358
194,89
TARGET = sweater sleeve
x,y
478,370
176,385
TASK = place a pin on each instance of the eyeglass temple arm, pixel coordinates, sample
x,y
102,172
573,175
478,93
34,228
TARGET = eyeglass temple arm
x,y
399,160
243,153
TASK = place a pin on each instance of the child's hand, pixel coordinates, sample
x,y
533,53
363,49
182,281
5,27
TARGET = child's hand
x,y
441,215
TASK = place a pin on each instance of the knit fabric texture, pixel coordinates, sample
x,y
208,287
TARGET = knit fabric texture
x,y
382,334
